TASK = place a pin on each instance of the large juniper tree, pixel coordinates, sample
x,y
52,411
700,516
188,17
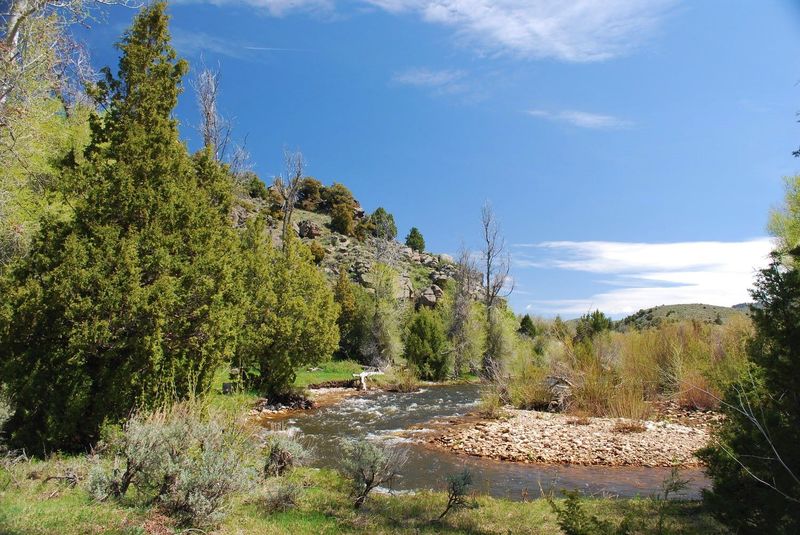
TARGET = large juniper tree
x,y
127,301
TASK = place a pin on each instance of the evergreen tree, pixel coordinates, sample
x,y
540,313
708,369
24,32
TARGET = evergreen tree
x,y
415,240
426,345
382,223
754,462
289,310
350,319
591,324
526,326
127,302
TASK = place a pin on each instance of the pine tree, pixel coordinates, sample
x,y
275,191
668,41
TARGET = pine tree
x,y
526,326
128,302
415,240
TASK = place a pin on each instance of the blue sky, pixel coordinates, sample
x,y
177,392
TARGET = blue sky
x,y
631,149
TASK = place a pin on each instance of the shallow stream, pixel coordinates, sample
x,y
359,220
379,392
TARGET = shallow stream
x,y
381,416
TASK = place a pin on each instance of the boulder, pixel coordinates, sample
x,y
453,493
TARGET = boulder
x,y
309,229
427,298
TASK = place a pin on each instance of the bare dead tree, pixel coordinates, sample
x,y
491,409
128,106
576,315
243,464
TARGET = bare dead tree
x,y
466,279
497,268
288,187
16,17
214,128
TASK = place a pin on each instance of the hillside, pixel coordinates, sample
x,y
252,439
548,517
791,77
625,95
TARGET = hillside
x,y
421,276
652,317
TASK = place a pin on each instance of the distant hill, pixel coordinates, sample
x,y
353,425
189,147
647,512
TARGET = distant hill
x,y
699,312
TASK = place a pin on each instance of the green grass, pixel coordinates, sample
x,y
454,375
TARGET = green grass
x,y
29,504
334,370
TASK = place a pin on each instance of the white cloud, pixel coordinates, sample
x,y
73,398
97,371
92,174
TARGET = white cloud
x,y
643,275
575,31
583,119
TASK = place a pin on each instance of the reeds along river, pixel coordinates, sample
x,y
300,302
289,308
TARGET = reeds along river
x,y
380,416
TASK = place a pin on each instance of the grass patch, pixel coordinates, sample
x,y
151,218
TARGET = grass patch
x,y
323,506
334,370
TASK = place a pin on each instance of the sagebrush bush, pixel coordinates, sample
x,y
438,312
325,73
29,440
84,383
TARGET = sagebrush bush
x,y
187,462
283,452
278,494
491,405
368,465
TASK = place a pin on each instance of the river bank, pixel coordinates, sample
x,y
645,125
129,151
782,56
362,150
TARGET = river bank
x,y
549,438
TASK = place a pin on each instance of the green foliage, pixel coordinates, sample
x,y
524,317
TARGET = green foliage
x,y
351,319
369,465
288,310
591,324
784,222
415,240
188,463
383,225
381,342
337,194
527,327
342,219
574,520
41,125
128,301
317,252
256,187
754,461
309,195
426,345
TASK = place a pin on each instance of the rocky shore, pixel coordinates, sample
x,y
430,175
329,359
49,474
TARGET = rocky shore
x,y
550,438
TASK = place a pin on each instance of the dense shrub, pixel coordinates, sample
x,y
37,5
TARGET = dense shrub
x,y
309,195
317,252
189,463
426,345
369,465
335,195
342,219
591,324
573,519
415,240
256,187
129,300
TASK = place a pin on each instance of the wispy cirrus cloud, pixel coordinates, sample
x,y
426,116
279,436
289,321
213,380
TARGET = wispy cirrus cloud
x,y
582,119
572,31
448,81
273,8
192,43
575,31
642,275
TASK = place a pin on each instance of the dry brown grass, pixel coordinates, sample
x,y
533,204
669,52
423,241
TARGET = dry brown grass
x,y
629,426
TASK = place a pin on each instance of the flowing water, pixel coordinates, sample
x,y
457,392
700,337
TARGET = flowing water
x,y
381,416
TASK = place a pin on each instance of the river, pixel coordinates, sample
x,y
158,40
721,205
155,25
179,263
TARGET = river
x,y
381,416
